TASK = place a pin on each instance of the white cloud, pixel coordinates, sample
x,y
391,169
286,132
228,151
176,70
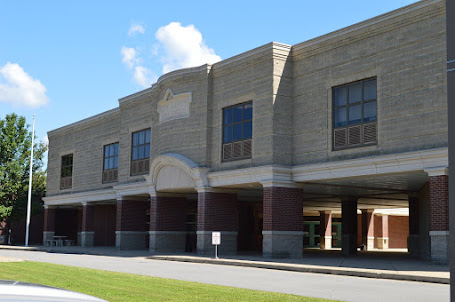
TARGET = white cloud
x,y
183,47
129,56
143,76
19,88
45,140
136,28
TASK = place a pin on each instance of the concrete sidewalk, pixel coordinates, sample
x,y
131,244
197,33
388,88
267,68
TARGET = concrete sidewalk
x,y
392,266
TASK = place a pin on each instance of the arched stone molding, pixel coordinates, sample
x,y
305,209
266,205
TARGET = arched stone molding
x,y
173,171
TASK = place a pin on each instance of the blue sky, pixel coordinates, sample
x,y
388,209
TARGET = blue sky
x,y
65,61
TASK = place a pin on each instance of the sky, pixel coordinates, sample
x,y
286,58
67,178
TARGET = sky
x,y
65,61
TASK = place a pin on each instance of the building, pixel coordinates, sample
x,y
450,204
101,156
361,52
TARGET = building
x,y
259,145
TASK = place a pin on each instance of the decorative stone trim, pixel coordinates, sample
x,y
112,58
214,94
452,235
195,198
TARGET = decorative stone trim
x,y
439,233
174,106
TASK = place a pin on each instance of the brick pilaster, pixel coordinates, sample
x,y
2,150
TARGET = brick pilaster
x,y
217,212
349,226
368,229
49,219
88,218
325,239
131,215
439,202
283,209
169,213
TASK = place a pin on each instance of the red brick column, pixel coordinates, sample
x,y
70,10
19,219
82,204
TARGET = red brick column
x,y
283,222
217,212
325,229
131,224
382,225
439,216
368,229
88,225
413,239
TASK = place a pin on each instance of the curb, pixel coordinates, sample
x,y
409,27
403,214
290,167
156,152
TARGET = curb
x,y
365,273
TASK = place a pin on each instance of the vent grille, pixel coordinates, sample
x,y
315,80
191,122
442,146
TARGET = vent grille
x,y
247,147
110,176
227,151
354,135
340,138
237,149
369,133
140,166
66,182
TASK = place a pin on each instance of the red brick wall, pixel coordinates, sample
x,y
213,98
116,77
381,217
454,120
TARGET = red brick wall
x,y
398,231
104,225
88,216
439,203
170,213
283,209
217,212
49,219
131,215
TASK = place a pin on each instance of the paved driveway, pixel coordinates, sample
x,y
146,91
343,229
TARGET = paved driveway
x,y
313,285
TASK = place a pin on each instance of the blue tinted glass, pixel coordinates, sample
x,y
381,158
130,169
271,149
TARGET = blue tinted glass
x,y
238,113
227,134
135,138
355,114
369,112
106,151
106,164
247,130
237,132
340,117
115,162
227,118
340,96
111,150
248,111
141,152
135,153
141,137
116,149
147,136
111,163
355,93
147,151
369,90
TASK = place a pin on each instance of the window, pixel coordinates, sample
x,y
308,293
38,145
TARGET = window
x,y
110,163
237,131
140,152
66,172
355,114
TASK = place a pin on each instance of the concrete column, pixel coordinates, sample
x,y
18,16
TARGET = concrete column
x,y
383,238
349,226
368,229
88,225
413,239
131,226
217,212
325,229
439,215
49,223
168,230
283,222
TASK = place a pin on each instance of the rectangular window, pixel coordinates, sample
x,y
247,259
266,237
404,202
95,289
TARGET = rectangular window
x,y
237,131
140,152
110,163
355,114
66,172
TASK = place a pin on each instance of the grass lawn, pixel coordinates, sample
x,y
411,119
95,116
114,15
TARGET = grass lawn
x,y
114,286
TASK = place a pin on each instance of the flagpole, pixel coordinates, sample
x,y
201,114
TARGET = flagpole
x,y
29,202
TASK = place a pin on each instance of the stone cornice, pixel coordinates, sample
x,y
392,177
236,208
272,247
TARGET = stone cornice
x,y
394,163
80,198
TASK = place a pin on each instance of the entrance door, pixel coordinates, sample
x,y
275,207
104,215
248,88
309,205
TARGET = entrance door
x,y
105,225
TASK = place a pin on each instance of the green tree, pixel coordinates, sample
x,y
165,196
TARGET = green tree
x,y
15,150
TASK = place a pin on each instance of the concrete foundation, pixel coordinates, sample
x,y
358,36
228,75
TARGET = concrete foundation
x,y
383,243
167,241
439,246
87,239
282,244
228,244
130,240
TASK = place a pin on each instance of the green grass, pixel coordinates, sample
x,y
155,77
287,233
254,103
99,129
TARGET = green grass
x,y
114,286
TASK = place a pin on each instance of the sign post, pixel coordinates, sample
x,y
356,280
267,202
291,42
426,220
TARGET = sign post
x,y
216,240
450,19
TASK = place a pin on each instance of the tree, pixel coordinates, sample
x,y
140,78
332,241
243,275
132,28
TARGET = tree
x,y
15,150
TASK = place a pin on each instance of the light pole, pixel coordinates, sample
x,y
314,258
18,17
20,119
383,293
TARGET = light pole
x,y
450,13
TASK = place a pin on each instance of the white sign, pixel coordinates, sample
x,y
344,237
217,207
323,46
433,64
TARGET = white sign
x,y
216,238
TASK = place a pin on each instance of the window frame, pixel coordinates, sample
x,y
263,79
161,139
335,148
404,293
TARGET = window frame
x,y
362,123
242,122
66,178
143,161
111,174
